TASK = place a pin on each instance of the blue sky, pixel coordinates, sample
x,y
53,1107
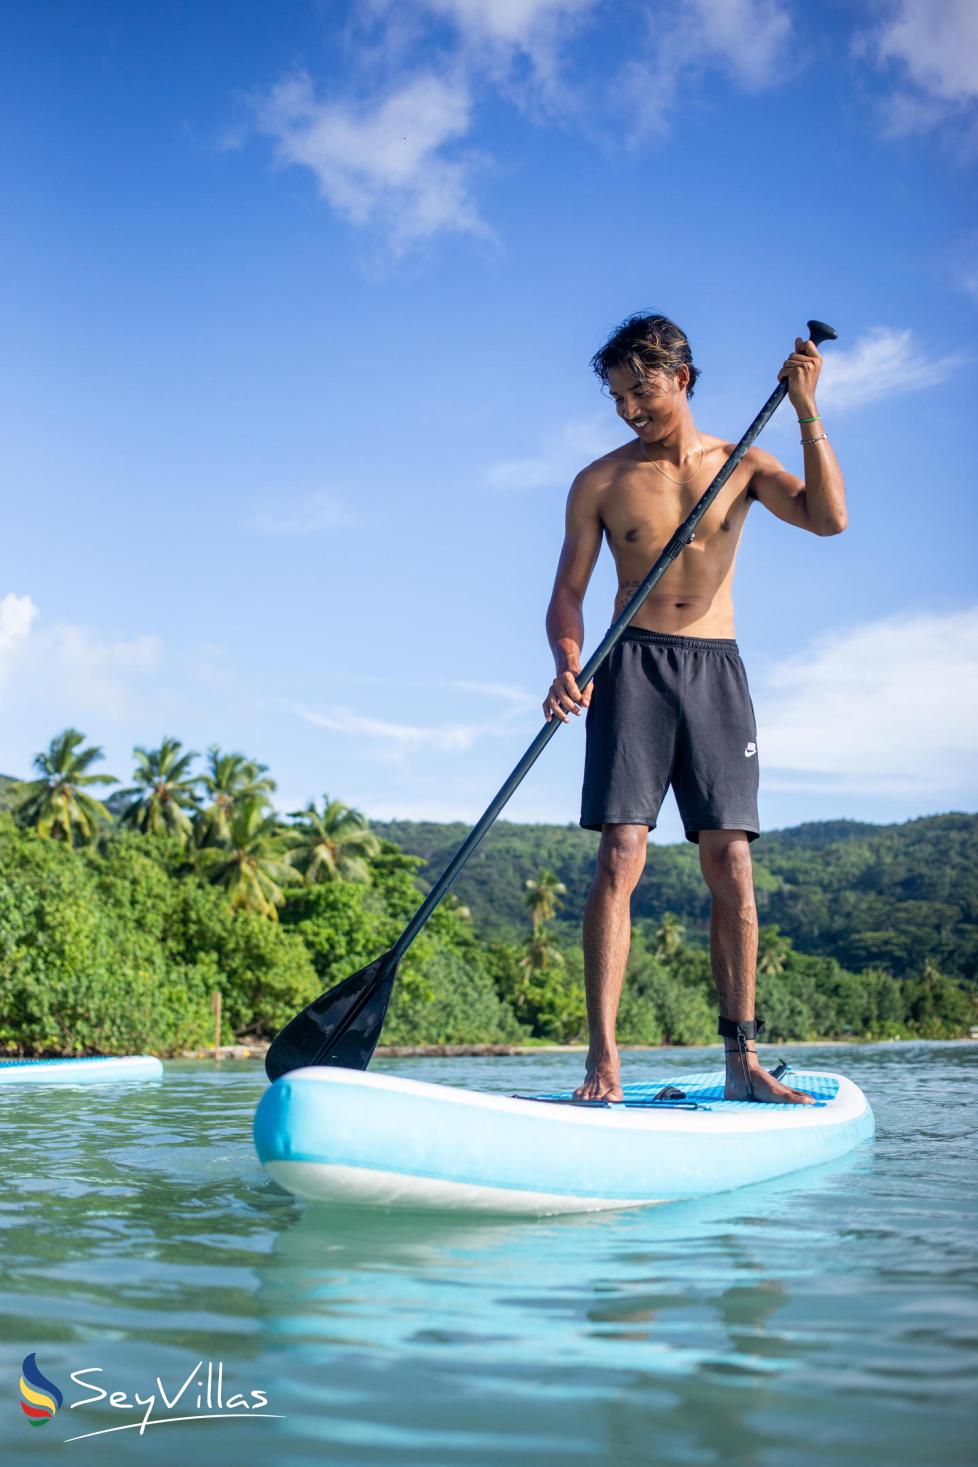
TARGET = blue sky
x,y
298,303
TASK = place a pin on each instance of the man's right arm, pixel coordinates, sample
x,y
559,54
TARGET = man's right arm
x,y
565,614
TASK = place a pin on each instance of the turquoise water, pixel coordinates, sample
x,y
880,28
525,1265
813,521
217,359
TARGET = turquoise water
x,y
829,1317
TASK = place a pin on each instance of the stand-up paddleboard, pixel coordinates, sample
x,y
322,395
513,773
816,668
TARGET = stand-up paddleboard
x,y
351,1136
96,1071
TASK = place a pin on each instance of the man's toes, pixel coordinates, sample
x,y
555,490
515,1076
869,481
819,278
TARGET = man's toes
x,y
594,1088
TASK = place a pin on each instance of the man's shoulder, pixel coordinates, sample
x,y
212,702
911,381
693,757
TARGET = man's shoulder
x,y
602,471
713,442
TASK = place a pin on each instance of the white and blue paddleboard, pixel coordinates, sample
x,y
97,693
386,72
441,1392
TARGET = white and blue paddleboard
x,y
356,1137
95,1071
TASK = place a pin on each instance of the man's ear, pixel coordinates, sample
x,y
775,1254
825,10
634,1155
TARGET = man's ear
x,y
682,376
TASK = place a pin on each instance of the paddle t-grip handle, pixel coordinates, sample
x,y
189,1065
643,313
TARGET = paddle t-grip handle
x,y
819,331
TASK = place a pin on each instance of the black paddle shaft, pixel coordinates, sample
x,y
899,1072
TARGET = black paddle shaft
x,y
818,332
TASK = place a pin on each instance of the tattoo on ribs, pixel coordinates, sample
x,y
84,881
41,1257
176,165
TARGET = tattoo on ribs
x,y
626,591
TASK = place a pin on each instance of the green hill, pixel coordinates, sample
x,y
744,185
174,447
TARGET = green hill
x,y
887,896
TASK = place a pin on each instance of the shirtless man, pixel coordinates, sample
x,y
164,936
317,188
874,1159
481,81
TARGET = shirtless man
x,y
671,703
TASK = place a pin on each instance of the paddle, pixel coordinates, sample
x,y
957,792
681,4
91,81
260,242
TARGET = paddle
x,y
343,1026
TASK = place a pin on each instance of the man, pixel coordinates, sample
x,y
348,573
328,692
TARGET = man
x,y
671,704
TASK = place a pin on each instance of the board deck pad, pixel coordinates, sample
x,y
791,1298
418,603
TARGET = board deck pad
x,y
705,1088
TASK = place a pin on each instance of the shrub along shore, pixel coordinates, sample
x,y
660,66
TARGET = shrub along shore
x,y
121,917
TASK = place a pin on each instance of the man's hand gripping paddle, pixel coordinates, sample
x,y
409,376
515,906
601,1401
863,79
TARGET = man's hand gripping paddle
x,y
343,1026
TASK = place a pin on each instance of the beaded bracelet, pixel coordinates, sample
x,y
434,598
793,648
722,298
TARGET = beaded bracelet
x,y
805,441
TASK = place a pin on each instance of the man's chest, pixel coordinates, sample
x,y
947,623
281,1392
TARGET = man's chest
x,y
639,515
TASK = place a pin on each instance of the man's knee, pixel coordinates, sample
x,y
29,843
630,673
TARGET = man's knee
x,y
621,855
726,864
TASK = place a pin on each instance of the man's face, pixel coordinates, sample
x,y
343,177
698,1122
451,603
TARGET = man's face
x,y
647,404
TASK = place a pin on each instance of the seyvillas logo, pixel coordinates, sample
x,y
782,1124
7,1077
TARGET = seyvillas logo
x,y
200,1396
40,1399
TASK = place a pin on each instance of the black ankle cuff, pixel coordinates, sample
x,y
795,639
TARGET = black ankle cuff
x,y
739,1028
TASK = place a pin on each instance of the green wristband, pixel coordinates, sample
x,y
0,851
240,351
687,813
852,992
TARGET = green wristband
x,y
817,419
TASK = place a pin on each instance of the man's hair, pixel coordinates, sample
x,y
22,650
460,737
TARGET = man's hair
x,y
644,344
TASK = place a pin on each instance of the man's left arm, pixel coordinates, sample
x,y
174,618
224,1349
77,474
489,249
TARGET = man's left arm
x,y
817,502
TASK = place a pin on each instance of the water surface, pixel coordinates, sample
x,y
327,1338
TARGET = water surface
x,y
827,1317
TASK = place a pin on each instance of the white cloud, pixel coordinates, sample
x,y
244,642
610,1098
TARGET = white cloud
x,y
97,675
937,42
70,667
880,364
306,514
517,23
750,36
559,457
515,699
401,738
933,46
745,39
488,37
17,616
382,162
964,264
496,33
395,741
886,708
388,151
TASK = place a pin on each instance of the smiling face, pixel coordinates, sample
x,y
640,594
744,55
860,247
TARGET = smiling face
x,y
652,405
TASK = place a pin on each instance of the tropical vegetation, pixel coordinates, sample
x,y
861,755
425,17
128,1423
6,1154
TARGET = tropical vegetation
x,y
120,917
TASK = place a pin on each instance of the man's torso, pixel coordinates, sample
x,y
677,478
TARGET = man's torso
x,y
640,508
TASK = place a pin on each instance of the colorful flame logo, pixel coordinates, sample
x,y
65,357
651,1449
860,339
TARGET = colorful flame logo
x,y
40,1398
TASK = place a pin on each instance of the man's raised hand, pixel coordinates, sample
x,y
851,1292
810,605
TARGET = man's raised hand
x,y
801,369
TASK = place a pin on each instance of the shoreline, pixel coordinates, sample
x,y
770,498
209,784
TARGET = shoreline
x,y
258,1051
477,1051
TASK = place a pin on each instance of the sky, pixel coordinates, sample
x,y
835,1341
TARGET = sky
x,y
297,307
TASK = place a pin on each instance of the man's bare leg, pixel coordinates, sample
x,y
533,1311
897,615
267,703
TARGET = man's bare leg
x,y
607,938
726,865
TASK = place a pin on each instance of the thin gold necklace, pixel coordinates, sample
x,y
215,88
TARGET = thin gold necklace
x,y
655,465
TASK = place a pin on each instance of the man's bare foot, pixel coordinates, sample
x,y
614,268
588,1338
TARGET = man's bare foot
x,y
602,1079
763,1084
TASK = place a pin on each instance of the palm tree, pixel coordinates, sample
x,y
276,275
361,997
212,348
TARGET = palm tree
x,y
540,960
250,866
334,844
56,804
543,897
230,779
164,790
773,951
669,935
540,955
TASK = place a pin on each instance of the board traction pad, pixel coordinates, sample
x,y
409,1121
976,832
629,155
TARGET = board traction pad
x,y
706,1089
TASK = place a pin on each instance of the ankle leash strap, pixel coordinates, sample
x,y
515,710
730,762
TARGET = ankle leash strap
x,y
739,1028
743,1030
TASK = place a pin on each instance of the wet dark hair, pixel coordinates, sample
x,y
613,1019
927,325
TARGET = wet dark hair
x,y
644,344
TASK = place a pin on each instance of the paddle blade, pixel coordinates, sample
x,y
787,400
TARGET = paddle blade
x,y
341,1028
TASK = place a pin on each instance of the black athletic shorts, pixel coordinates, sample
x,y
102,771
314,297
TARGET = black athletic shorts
x,y
671,711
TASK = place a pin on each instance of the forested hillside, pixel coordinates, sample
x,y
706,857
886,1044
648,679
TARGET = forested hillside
x,y
890,896
120,918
